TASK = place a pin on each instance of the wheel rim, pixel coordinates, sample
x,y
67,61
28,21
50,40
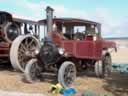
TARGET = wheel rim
x,y
24,48
34,72
99,68
69,75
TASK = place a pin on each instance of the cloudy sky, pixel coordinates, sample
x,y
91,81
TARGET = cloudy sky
x,y
112,14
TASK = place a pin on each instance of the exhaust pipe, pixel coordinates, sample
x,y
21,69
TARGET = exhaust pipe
x,y
49,13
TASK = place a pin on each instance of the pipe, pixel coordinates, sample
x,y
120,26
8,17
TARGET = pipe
x,y
49,13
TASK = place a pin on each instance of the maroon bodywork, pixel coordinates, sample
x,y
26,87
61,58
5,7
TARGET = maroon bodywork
x,y
81,49
87,49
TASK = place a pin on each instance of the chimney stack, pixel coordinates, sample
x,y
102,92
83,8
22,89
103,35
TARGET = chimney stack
x,y
49,13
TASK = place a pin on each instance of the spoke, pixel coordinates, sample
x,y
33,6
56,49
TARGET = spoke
x,y
21,50
21,61
23,47
22,64
32,48
26,41
69,74
29,44
33,71
70,68
20,57
21,54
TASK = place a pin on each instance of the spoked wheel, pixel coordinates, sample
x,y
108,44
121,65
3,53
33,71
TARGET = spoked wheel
x,y
67,74
103,68
22,50
32,71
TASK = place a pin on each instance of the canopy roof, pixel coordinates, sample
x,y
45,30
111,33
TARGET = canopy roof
x,y
3,12
25,21
19,20
71,21
8,15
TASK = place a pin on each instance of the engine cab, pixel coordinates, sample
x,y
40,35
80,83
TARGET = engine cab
x,y
77,37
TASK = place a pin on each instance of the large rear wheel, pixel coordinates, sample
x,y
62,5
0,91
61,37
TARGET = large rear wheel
x,y
23,49
67,74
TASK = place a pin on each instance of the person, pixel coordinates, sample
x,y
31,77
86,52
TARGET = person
x,y
54,27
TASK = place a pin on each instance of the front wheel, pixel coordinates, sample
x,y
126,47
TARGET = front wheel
x,y
67,74
32,71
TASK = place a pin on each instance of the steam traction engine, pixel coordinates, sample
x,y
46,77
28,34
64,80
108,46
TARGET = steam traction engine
x,y
18,38
71,45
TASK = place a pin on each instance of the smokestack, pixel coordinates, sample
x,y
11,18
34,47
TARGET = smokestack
x,y
49,13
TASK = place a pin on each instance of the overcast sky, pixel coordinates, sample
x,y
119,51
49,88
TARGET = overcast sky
x,y
112,14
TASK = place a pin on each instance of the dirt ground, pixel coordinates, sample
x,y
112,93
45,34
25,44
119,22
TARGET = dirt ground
x,y
121,56
116,84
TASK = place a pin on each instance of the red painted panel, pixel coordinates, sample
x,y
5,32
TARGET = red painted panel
x,y
83,49
4,45
4,55
4,49
86,49
98,49
69,46
80,49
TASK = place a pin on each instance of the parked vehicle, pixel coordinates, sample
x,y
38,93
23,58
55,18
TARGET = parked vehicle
x,y
17,38
71,45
